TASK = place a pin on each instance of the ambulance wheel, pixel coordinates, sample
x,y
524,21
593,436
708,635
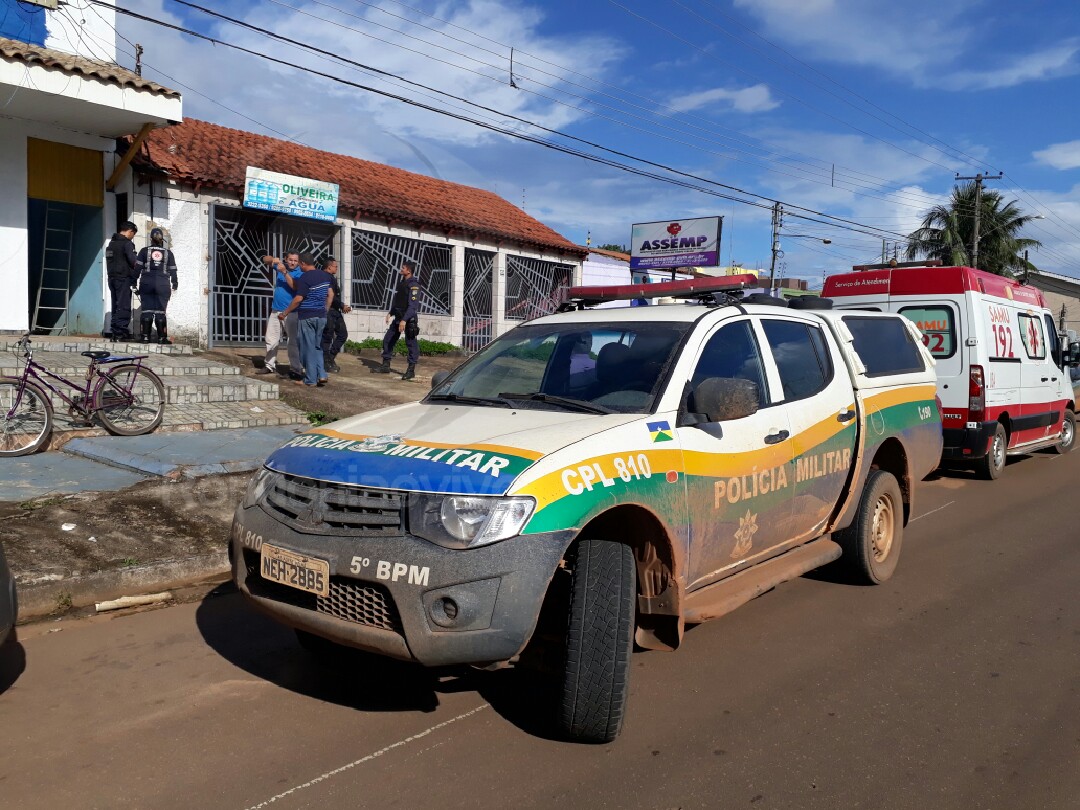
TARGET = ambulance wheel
x,y
599,639
991,465
871,544
1068,434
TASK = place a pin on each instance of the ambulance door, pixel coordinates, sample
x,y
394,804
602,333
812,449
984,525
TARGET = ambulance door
x,y
1040,416
1006,369
942,325
820,405
738,472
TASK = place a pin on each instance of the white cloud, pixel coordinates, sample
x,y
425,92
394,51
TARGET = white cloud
x,y
1050,63
753,99
1060,155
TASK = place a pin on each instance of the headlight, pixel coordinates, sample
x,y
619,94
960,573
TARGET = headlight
x,y
258,485
467,521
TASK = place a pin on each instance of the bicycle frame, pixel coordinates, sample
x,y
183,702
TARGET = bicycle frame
x,y
39,373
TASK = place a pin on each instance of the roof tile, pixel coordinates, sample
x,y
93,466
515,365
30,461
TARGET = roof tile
x,y
200,152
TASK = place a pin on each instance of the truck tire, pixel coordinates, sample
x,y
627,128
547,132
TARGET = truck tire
x,y
1068,434
992,464
599,640
871,544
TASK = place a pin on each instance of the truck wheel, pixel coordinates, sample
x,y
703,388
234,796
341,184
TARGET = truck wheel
x,y
991,465
1068,434
871,544
599,639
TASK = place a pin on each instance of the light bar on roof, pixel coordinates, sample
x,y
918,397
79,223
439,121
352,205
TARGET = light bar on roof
x,y
664,289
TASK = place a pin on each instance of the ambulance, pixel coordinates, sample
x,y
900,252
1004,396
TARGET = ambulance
x,y
1003,370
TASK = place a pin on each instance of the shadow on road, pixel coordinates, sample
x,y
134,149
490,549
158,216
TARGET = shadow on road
x,y
268,650
12,662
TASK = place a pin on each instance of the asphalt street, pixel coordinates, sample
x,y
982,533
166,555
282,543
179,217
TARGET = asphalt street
x,y
955,685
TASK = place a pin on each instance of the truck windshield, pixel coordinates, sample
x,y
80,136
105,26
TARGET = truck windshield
x,y
586,367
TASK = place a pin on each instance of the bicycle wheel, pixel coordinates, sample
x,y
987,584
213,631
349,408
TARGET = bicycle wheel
x,y
24,428
130,401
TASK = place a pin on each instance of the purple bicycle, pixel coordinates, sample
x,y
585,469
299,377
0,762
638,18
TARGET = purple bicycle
x,y
127,398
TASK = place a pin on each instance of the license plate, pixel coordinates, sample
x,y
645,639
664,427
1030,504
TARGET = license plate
x,y
295,570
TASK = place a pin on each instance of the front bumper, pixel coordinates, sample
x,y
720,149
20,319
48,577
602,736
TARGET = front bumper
x,y
966,444
395,605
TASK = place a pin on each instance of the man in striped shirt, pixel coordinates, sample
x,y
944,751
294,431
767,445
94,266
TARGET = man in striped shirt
x,y
314,295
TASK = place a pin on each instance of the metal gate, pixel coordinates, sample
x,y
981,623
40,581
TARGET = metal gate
x,y
376,260
241,293
477,328
534,287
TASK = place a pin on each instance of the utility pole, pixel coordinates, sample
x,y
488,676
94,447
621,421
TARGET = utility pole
x,y
777,221
978,178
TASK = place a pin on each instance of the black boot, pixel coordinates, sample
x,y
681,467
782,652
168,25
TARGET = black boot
x,y
384,368
410,373
163,336
146,323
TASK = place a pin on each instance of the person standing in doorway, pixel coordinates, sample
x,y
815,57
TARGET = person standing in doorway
x,y
402,320
314,296
283,276
336,333
157,282
120,261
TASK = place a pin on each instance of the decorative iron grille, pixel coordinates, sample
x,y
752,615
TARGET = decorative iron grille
x,y
377,258
534,287
477,327
241,294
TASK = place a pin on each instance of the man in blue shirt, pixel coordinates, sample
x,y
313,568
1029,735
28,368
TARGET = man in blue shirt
x,y
283,275
314,296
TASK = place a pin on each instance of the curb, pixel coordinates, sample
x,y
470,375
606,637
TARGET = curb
x,y
40,600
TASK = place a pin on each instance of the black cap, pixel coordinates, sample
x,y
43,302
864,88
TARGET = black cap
x,y
157,232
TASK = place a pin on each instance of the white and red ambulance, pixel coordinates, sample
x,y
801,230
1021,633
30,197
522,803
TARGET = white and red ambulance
x,y
1003,370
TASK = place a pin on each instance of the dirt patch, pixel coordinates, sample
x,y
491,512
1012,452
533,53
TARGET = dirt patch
x,y
355,389
152,521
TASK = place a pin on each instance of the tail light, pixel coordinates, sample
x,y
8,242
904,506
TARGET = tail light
x,y
976,394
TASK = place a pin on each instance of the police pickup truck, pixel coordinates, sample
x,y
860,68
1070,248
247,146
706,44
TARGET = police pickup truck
x,y
604,476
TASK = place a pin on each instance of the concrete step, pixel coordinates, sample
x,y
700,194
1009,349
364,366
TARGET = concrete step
x,y
73,366
78,344
193,389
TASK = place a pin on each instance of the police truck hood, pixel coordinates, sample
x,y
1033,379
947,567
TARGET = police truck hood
x,y
437,447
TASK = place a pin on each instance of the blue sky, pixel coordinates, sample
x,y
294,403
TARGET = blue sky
x,y
765,95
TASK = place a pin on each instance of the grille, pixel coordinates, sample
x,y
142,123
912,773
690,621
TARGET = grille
x,y
309,505
360,603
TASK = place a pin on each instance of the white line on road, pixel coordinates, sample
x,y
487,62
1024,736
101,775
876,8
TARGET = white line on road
x,y
369,757
920,517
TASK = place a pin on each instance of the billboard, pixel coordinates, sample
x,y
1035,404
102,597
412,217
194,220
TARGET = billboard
x,y
284,194
676,243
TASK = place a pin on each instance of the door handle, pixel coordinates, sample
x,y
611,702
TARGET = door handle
x,y
1045,379
845,416
776,438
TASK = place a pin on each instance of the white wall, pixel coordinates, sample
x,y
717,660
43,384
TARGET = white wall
x,y
14,252
93,37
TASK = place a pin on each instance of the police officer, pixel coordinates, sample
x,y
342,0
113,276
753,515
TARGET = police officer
x,y
401,319
157,282
120,260
336,333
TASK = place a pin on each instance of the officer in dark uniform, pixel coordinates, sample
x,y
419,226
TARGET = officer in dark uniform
x,y
120,260
157,282
402,319
336,333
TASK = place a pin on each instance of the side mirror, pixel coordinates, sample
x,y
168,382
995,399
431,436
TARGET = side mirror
x,y
721,399
438,378
1072,358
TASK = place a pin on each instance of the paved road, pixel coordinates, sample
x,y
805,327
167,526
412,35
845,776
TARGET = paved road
x,y
955,685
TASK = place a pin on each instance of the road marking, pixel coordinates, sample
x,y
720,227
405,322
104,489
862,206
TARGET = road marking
x,y
920,517
369,757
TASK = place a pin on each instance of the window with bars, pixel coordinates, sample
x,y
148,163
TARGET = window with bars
x,y
534,287
376,260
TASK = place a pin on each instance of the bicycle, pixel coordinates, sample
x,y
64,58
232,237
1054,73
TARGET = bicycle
x,y
128,399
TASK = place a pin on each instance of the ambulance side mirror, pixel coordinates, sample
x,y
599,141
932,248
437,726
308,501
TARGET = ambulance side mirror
x,y
438,378
721,399
1072,357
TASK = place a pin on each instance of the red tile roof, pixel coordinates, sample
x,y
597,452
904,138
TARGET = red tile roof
x,y
611,254
216,156
12,50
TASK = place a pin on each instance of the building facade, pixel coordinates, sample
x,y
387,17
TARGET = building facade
x,y
66,104
483,263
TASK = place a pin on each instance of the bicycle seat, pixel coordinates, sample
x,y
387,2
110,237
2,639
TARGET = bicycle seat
x,y
97,354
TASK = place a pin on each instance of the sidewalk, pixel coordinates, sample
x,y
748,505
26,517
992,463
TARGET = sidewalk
x,y
112,516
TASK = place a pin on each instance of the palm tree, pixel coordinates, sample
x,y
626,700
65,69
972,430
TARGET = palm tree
x,y
947,231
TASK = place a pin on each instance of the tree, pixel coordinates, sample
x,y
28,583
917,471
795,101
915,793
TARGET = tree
x,y
614,248
947,231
